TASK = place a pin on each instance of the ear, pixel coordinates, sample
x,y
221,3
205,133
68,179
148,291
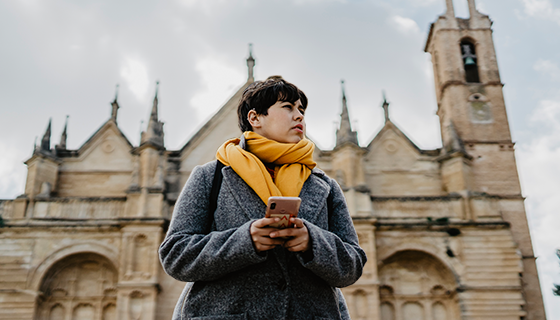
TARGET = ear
x,y
254,119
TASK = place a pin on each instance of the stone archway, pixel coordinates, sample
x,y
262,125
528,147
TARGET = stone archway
x,y
79,287
417,286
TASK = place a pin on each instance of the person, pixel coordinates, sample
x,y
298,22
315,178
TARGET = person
x,y
236,265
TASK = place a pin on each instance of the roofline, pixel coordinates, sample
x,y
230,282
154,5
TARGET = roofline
x,y
79,150
210,121
429,38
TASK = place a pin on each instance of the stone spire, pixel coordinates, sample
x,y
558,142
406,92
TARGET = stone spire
x,y
344,132
450,10
63,136
472,8
46,141
115,105
35,147
154,114
385,107
251,63
154,132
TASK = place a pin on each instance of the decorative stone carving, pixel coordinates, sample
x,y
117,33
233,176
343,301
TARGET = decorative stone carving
x,y
108,146
87,278
414,281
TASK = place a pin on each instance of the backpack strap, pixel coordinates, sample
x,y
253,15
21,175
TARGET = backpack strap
x,y
216,185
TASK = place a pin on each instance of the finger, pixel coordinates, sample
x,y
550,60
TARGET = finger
x,y
299,248
263,237
294,242
262,232
261,223
289,232
284,233
269,242
298,223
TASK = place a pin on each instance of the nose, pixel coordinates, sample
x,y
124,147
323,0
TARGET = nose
x,y
298,115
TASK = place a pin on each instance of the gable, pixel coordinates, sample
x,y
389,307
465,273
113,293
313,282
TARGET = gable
x,y
102,167
202,147
391,150
395,166
106,150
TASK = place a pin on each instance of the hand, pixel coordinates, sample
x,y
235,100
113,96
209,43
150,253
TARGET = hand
x,y
260,234
297,238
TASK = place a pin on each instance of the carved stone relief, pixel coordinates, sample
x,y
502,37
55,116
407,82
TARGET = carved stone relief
x,y
415,285
75,287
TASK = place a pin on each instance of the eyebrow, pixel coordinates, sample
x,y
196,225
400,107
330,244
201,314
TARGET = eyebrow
x,y
293,104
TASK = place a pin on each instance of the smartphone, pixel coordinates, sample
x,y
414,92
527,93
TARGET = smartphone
x,y
283,208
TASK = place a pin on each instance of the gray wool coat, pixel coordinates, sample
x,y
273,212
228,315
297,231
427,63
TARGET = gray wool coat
x,y
228,279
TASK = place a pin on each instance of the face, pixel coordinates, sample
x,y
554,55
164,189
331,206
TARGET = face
x,y
284,123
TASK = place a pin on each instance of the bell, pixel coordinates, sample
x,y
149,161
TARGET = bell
x,y
469,61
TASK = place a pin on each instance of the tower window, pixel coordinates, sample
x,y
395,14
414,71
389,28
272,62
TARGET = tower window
x,y
470,62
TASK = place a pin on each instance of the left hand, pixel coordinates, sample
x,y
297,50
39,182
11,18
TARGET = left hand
x,y
298,236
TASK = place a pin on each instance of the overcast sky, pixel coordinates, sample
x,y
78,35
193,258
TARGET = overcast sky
x,y
62,57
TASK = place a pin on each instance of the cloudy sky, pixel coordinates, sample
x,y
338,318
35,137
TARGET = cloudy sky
x,y
62,57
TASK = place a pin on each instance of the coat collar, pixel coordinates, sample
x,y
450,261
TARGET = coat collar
x,y
247,199
313,196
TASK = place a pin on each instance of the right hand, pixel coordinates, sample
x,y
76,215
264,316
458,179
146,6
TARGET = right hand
x,y
260,234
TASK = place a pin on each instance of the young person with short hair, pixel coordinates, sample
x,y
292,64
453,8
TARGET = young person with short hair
x,y
236,265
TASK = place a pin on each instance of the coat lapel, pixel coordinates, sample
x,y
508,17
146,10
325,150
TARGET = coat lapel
x,y
246,198
313,196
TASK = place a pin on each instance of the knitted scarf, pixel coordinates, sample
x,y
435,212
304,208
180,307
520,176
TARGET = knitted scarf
x,y
294,163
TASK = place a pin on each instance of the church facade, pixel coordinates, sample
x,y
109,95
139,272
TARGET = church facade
x,y
445,230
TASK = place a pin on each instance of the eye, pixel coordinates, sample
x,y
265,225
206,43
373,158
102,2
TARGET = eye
x,y
288,107
302,111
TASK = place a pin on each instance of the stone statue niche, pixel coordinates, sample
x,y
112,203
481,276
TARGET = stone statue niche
x,y
416,285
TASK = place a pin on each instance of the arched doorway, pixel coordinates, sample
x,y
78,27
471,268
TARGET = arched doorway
x,y
79,287
416,286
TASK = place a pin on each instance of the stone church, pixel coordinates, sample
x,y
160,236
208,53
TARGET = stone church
x,y
445,230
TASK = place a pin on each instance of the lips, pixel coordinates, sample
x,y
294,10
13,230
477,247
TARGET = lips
x,y
298,128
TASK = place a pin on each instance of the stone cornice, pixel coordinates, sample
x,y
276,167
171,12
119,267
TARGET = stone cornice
x,y
87,224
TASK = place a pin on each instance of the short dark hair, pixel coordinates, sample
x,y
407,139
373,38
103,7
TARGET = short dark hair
x,y
261,95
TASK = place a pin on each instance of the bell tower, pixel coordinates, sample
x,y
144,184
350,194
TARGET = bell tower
x,y
477,160
470,100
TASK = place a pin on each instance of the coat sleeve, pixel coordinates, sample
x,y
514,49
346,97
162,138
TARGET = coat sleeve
x,y
335,254
191,251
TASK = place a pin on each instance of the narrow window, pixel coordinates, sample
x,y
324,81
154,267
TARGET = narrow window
x,y
470,62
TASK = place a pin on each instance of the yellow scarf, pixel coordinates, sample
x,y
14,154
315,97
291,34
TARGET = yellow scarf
x,y
294,163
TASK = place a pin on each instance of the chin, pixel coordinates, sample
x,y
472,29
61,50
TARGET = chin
x,y
295,139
